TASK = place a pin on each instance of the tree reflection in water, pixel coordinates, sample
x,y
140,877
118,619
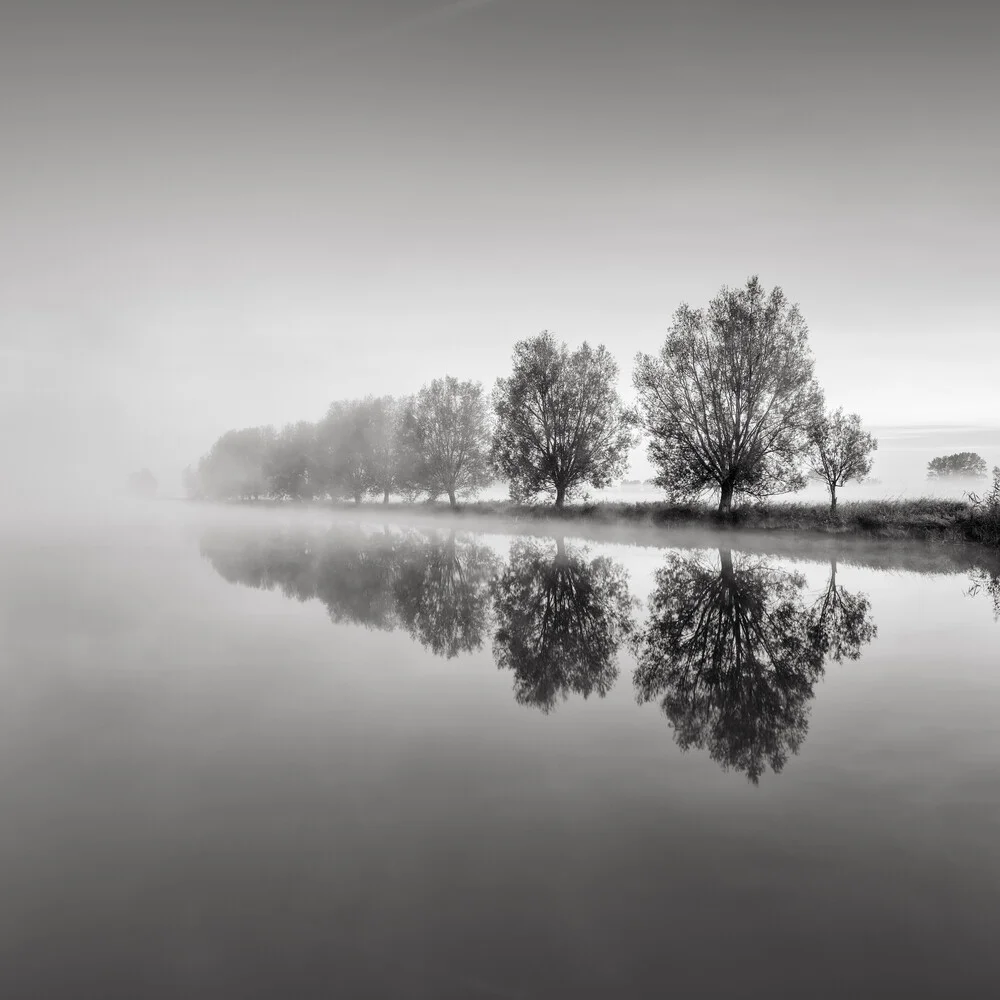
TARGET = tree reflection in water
x,y
560,619
732,651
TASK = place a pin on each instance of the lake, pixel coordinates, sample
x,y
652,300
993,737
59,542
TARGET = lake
x,y
267,754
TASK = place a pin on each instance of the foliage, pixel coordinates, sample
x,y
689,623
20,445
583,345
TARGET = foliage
x,y
985,512
447,430
733,653
234,467
840,622
840,451
560,620
289,462
729,402
963,464
560,421
391,461
344,466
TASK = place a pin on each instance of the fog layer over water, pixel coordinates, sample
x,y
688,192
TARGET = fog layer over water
x,y
258,754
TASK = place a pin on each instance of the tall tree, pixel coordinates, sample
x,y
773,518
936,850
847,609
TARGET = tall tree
x,y
560,421
343,450
447,428
730,399
840,451
963,465
290,464
390,456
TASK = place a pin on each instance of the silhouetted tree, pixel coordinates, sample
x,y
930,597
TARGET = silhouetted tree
x,y
560,620
732,653
963,465
840,622
442,591
447,427
840,451
560,421
729,402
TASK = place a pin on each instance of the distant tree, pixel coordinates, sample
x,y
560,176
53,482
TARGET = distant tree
x,y
730,399
234,467
840,451
344,459
392,459
142,483
447,429
560,619
290,464
963,465
560,421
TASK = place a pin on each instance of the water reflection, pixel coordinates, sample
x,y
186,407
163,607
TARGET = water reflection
x,y
986,582
732,651
560,620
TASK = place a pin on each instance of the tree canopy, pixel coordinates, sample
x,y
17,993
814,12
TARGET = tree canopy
x,y
840,451
962,465
560,421
729,401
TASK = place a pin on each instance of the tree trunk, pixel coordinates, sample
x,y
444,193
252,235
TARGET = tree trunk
x,y
452,500
726,497
833,498
560,496
560,548
726,565
385,496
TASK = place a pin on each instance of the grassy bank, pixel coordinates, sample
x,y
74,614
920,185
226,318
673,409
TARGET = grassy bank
x,y
940,520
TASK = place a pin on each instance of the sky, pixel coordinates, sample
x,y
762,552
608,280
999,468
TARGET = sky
x,y
226,213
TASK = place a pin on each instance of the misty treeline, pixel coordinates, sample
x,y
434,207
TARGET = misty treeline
x,y
729,405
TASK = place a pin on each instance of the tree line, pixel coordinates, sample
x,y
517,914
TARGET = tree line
x,y
729,405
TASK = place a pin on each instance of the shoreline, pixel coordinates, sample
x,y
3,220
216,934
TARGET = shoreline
x,y
923,523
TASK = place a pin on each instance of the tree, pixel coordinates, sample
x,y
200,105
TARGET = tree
x,y
729,401
840,451
234,467
840,622
732,653
290,465
447,429
963,465
344,450
560,421
560,620
392,460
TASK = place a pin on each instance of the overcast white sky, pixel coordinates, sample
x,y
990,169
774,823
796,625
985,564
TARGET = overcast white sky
x,y
229,212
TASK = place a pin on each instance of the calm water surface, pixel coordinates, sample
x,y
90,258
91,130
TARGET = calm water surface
x,y
295,758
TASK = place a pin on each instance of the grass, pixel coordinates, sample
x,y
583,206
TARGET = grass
x,y
925,518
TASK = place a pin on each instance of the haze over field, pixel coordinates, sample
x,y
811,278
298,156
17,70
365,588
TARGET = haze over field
x,y
221,214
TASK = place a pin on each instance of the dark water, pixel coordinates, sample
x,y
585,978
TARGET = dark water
x,y
293,759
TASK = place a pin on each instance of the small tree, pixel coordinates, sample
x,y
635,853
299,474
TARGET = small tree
x,y
447,429
840,451
729,402
963,465
560,421
391,457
